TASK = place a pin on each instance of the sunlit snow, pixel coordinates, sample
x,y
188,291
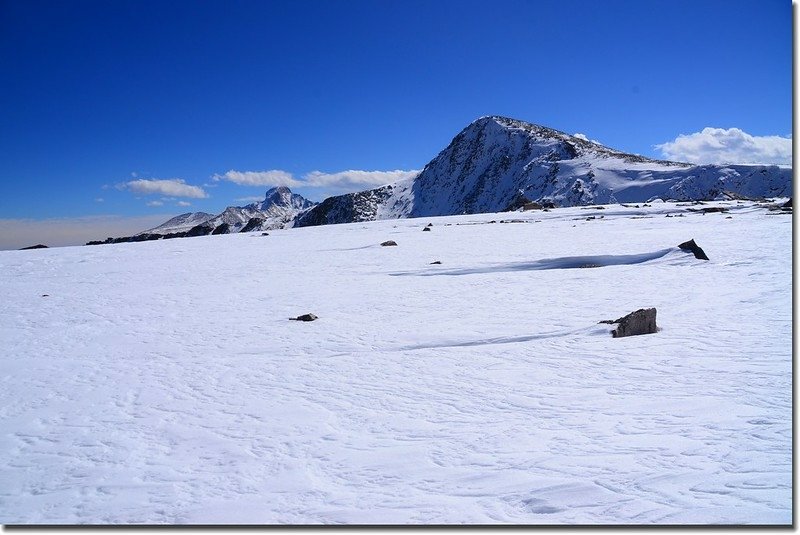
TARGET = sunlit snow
x,y
163,382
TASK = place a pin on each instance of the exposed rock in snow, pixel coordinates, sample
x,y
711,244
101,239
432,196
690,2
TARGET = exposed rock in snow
x,y
305,317
221,229
254,224
694,248
642,321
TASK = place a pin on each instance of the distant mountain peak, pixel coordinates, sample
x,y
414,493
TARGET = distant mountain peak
x,y
279,200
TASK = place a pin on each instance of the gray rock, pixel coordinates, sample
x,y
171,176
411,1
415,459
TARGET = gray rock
x,y
426,229
305,317
389,243
694,248
642,321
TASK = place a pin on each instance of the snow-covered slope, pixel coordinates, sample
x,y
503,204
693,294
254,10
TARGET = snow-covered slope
x,y
180,223
496,160
142,383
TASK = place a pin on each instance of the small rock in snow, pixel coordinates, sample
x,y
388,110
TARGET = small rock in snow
x,y
694,248
642,321
305,317
389,243
436,262
426,229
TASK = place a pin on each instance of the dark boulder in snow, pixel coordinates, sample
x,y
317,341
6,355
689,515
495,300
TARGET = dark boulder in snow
x,y
305,317
37,246
642,321
389,243
426,229
694,248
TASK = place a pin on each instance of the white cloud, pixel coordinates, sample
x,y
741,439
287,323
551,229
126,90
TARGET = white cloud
x,y
334,183
183,203
155,203
355,179
274,177
99,199
728,146
17,233
173,187
585,138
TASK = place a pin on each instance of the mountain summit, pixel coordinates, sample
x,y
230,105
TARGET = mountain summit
x,y
279,201
497,162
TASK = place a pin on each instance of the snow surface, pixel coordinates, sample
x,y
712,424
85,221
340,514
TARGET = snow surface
x,y
162,381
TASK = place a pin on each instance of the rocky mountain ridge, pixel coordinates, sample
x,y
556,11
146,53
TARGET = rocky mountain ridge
x,y
279,208
496,163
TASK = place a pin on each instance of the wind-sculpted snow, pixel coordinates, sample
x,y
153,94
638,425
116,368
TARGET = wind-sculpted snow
x,y
163,382
566,262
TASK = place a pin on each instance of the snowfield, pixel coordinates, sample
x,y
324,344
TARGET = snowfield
x,y
162,381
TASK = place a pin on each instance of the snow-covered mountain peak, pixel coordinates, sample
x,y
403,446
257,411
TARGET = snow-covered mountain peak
x,y
278,192
280,200
572,146
497,161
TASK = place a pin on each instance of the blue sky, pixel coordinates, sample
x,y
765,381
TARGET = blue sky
x,y
98,96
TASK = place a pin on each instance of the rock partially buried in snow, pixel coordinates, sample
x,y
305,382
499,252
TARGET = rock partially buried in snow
x,y
389,243
426,229
642,321
305,317
694,248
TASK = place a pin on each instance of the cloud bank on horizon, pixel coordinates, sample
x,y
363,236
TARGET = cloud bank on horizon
x,y
728,146
67,231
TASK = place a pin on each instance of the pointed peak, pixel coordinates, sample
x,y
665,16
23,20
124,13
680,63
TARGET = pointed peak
x,y
280,190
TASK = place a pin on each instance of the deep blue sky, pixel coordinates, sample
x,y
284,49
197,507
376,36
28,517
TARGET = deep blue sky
x,y
93,92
